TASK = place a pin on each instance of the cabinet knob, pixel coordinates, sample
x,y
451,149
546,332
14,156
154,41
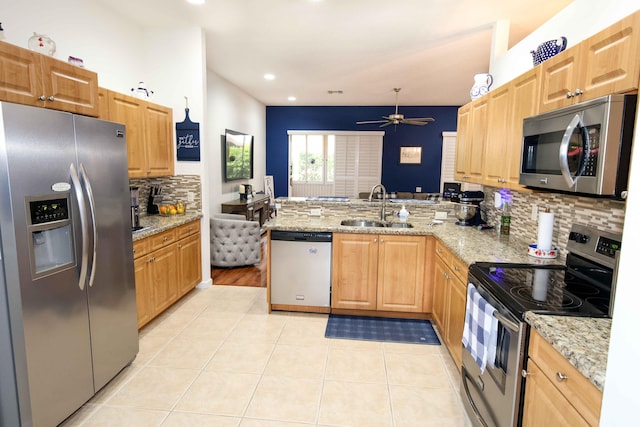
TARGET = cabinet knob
x,y
524,373
456,268
165,239
578,92
375,240
51,98
570,95
42,98
561,377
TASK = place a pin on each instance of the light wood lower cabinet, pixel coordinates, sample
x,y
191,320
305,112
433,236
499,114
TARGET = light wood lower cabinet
x,y
167,266
378,272
556,393
449,299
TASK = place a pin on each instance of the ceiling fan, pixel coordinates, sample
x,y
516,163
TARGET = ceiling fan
x,y
398,119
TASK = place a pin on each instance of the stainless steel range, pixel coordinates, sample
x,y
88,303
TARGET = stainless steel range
x,y
582,287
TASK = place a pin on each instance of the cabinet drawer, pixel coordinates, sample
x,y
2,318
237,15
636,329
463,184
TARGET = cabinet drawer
x,y
140,247
162,239
443,252
582,394
459,268
187,230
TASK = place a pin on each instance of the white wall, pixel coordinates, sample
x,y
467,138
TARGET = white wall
x,y
578,21
231,108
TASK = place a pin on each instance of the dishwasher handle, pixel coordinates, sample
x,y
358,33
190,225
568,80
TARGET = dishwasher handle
x,y
301,236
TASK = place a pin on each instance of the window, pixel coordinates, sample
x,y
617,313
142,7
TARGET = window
x,y
334,163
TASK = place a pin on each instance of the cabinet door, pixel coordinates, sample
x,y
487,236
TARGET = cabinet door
x,y
525,93
463,143
456,311
103,103
559,79
610,60
144,292
20,75
164,277
544,405
401,273
189,263
498,132
128,110
354,271
159,139
440,294
479,117
69,88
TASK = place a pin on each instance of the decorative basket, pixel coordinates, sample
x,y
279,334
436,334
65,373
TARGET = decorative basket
x,y
548,49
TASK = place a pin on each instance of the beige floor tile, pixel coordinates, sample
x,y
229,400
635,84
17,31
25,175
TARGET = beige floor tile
x,y
80,416
188,419
205,327
186,352
286,399
108,416
300,330
241,357
258,328
418,370
116,384
297,361
420,406
220,393
355,404
149,346
154,388
356,365
248,422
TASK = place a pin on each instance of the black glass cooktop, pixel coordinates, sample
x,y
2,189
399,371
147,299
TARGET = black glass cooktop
x,y
542,289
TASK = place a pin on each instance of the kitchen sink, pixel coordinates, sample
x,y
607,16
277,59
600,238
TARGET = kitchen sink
x,y
374,223
362,223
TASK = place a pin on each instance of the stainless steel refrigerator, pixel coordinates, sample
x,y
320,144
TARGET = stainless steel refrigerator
x,y
67,305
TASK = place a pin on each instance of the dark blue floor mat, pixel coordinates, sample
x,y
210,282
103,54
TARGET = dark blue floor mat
x,y
415,331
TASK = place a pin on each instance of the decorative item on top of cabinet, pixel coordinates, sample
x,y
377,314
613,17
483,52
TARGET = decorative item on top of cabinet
x,y
605,63
149,134
378,272
35,79
548,49
481,84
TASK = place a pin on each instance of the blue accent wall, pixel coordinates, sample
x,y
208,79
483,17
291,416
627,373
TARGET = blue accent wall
x,y
395,177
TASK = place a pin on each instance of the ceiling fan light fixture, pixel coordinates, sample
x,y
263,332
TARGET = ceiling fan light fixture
x,y
269,76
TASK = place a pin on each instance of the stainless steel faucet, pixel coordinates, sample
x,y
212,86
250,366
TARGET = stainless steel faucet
x,y
383,212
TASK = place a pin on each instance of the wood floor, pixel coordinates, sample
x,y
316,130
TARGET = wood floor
x,y
255,276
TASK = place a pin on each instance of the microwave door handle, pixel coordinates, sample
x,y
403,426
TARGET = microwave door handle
x,y
576,122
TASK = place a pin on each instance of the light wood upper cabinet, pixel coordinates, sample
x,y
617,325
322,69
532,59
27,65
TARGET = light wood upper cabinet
x,y
605,63
31,78
472,119
525,92
149,134
103,103
378,272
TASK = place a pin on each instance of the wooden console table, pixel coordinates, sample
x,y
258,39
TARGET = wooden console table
x,y
256,209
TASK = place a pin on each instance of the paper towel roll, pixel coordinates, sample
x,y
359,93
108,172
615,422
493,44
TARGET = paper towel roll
x,y
545,230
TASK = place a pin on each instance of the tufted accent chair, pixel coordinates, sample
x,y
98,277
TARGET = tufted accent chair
x,y
234,241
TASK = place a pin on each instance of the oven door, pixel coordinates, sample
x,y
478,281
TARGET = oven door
x,y
493,398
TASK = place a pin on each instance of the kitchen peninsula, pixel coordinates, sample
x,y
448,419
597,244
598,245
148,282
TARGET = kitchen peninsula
x,y
467,244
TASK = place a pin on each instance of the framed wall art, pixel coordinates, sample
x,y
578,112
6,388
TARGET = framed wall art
x,y
410,155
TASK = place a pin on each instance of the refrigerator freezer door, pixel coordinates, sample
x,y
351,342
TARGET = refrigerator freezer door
x,y
102,162
38,148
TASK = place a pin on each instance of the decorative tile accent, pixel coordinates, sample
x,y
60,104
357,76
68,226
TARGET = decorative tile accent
x,y
174,188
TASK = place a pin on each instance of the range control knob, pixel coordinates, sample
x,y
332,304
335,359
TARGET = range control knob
x,y
578,237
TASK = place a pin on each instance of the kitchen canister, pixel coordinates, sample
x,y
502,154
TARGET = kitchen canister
x,y
481,84
548,49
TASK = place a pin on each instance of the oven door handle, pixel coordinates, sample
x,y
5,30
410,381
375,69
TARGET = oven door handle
x,y
506,322
465,379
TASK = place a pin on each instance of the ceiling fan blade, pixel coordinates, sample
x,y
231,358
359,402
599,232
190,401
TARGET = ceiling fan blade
x,y
386,124
421,119
413,122
371,122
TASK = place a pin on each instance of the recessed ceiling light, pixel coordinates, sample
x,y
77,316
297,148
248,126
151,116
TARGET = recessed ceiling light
x,y
292,98
196,1
269,76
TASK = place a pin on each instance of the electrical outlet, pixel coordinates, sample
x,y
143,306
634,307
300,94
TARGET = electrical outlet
x,y
190,196
315,212
418,189
534,212
441,215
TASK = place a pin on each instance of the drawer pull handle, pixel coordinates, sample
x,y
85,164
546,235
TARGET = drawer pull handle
x,y
457,268
561,377
524,373
165,239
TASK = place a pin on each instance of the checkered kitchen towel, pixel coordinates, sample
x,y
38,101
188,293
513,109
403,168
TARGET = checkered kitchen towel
x,y
480,336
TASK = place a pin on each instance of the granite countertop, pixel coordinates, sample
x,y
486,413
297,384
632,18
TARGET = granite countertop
x,y
158,224
583,341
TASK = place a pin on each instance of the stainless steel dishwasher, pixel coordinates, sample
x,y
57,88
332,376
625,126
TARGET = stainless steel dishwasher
x,y
301,268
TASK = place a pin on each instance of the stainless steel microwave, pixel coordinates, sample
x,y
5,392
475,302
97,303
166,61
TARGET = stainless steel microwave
x,y
584,148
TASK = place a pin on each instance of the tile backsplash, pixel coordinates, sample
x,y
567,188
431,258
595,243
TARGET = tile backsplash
x,y
174,188
600,213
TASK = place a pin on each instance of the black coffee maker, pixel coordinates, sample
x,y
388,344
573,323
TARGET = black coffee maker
x,y
468,209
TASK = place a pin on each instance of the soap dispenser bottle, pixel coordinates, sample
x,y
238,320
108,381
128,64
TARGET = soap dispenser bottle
x,y
403,214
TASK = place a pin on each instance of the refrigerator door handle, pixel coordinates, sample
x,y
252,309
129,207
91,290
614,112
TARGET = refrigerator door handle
x,y
77,188
87,183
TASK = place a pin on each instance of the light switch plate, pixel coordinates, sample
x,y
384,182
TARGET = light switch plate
x,y
497,201
441,215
